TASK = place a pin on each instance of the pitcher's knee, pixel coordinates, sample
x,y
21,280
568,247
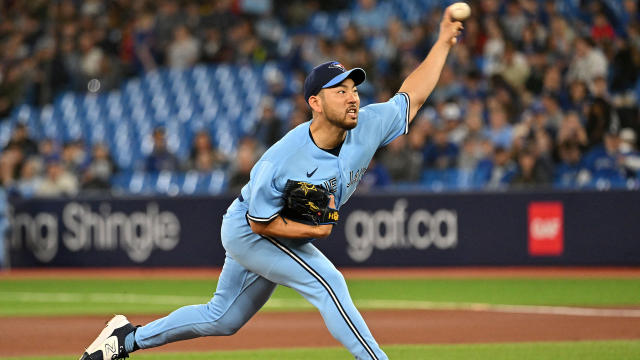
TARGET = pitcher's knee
x,y
216,328
226,328
335,280
218,322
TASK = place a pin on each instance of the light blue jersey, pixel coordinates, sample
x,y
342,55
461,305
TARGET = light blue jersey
x,y
255,264
297,157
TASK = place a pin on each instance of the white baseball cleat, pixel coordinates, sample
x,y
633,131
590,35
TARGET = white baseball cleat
x,y
109,345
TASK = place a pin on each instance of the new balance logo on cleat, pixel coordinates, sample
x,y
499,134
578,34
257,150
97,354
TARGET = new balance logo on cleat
x,y
109,345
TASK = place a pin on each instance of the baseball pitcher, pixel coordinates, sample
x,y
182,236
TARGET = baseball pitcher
x,y
293,197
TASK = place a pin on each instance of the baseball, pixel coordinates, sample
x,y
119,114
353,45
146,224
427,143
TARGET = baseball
x,y
460,11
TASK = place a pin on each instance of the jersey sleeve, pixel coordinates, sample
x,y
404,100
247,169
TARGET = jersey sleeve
x,y
391,118
265,200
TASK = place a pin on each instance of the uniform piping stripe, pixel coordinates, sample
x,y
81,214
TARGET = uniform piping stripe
x,y
322,281
406,125
257,219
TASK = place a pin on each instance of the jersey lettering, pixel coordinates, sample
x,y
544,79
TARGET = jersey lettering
x,y
331,185
355,177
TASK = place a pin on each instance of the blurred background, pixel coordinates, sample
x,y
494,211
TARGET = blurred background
x,y
181,97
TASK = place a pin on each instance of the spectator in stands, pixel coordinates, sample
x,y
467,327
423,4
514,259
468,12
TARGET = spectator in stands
x,y
397,158
630,156
48,147
297,117
603,162
599,121
91,57
552,81
588,63
630,14
375,177
370,16
74,157
69,58
97,174
30,177
532,42
561,39
599,88
473,150
212,45
500,132
494,46
246,45
530,173
416,140
168,18
15,79
514,20
451,115
552,113
247,155
513,67
57,180
396,39
506,97
20,147
625,65
601,31
51,76
10,164
440,153
496,171
161,159
184,50
268,129
578,98
448,87
566,172
203,156
144,43
571,130
471,127
21,139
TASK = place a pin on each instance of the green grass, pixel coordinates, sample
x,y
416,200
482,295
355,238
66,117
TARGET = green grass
x,y
600,350
25,297
138,296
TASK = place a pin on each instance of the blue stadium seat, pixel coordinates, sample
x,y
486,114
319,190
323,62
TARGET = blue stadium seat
x,y
5,132
4,225
223,99
190,183
321,23
450,179
166,183
216,182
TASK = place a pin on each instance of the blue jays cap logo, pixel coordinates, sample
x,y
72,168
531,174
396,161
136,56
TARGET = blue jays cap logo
x,y
330,74
337,65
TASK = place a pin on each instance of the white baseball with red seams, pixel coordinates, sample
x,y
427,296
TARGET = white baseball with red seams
x,y
460,11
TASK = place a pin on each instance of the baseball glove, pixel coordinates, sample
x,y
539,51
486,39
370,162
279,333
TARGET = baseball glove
x,y
308,204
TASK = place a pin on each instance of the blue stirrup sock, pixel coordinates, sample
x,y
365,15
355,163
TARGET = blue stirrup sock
x,y
130,342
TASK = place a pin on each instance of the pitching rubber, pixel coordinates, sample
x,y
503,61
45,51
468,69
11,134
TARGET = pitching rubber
x,y
116,322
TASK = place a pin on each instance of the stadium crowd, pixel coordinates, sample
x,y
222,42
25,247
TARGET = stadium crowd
x,y
536,93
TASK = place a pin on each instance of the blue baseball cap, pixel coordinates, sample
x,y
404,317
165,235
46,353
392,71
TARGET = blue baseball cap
x,y
330,74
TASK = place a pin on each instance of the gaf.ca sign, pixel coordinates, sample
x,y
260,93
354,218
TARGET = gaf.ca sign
x,y
138,233
546,228
397,229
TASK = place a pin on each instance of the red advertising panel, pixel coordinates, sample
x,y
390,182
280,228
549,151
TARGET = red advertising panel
x,y
546,229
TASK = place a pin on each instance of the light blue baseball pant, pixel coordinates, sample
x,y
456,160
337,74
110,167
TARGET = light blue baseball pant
x,y
253,267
